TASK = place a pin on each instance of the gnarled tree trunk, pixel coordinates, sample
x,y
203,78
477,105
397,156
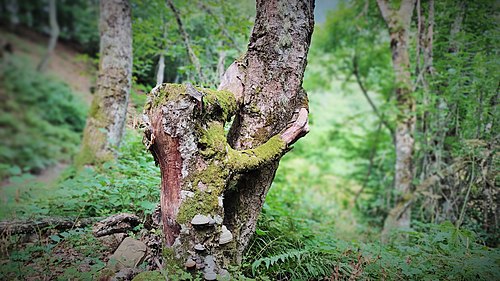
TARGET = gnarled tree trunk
x,y
398,22
107,114
213,185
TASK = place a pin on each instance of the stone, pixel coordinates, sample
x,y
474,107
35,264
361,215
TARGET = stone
x,y
189,264
199,247
200,220
129,254
226,236
224,275
210,276
112,241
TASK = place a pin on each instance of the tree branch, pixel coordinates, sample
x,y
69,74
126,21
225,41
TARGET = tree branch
x,y
221,26
185,37
365,93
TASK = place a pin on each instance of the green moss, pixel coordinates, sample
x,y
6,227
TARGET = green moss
x,y
203,203
251,159
149,276
167,92
213,138
222,102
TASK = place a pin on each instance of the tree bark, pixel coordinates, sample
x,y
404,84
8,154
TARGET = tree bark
x,y
398,22
184,130
106,120
54,34
161,69
269,78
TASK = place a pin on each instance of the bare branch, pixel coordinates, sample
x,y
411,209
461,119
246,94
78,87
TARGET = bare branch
x,y
185,37
365,93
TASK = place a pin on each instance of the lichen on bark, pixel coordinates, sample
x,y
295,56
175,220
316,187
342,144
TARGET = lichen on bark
x,y
185,133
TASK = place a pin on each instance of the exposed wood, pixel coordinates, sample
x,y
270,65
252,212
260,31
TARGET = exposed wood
x,y
188,142
54,34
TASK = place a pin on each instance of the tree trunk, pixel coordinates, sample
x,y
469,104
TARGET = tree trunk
x,y
398,22
106,120
270,79
12,7
54,34
161,69
185,133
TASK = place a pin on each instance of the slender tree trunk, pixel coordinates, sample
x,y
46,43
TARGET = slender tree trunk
x,y
221,68
398,22
270,79
161,69
185,37
106,120
54,34
12,7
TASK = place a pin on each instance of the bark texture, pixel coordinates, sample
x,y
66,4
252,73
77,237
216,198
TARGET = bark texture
x,y
398,21
54,34
184,130
269,80
107,114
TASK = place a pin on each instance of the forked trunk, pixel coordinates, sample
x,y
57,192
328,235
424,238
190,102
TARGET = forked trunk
x,y
185,133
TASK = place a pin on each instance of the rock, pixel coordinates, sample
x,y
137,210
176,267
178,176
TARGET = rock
x,y
226,236
129,254
112,241
224,275
118,223
200,220
209,263
210,276
199,247
189,264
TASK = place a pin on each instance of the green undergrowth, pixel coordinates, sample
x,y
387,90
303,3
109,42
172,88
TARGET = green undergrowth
x,y
287,247
40,119
129,184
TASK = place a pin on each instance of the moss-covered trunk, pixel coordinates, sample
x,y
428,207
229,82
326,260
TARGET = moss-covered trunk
x,y
107,114
398,22
271,76
184,129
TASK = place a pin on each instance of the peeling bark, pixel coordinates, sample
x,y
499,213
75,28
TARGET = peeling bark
x,y
398,22
184,130
107,114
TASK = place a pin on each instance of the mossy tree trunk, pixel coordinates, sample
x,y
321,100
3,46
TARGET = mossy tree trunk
x,y
270,80
184,130
214,183
398,20
106,120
